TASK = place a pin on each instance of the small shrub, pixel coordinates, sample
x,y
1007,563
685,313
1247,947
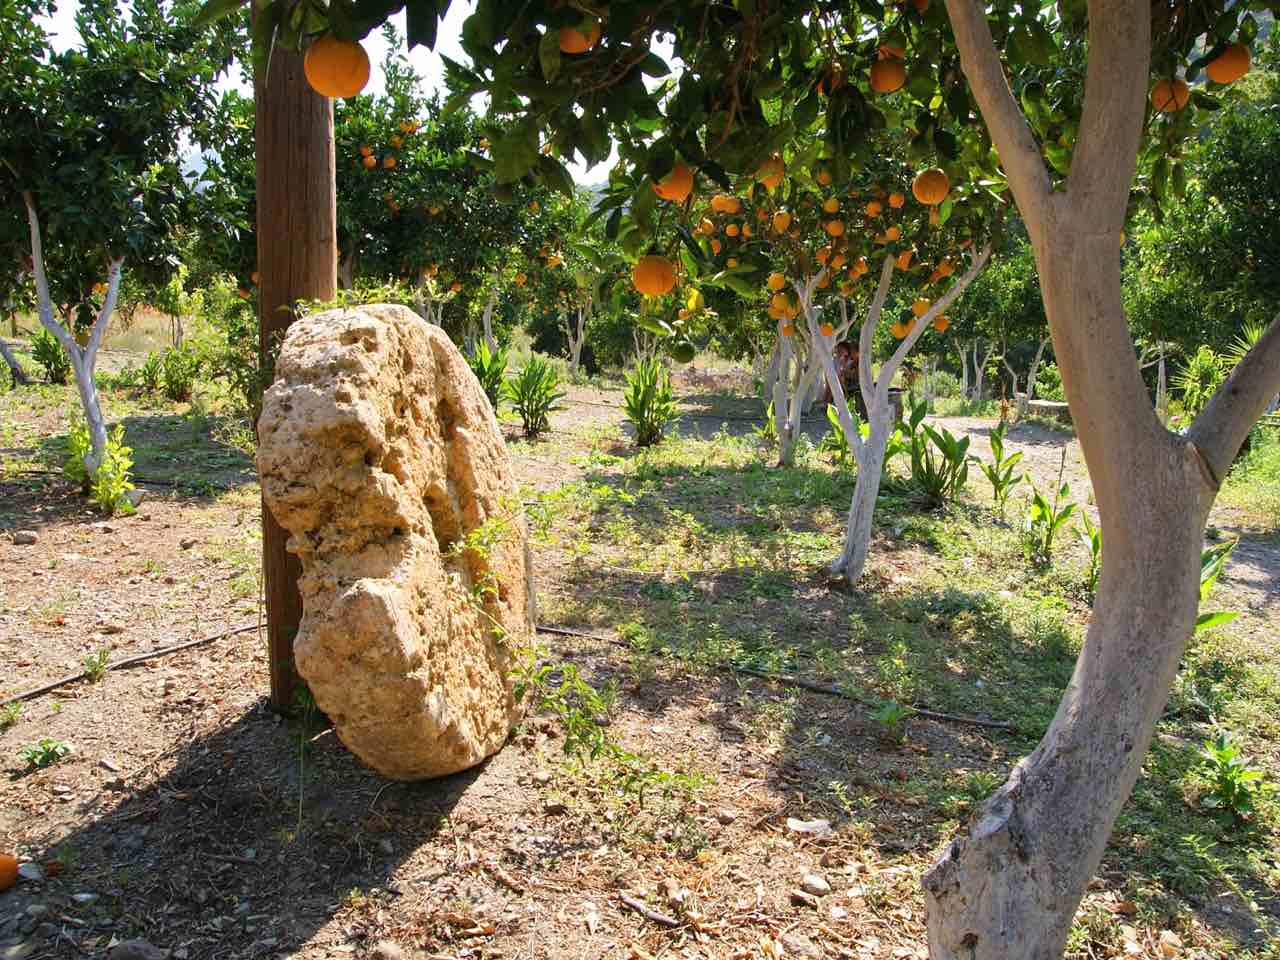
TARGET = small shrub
x,y
1049,383
1199,379
10,714
79,444
835,442
891,717
111,484
95,664
44,752
1212,561
1234,786
48,353
1000,470
1091,537
1045,519
939,459
490,368
178,373
150,372
649,402
534,393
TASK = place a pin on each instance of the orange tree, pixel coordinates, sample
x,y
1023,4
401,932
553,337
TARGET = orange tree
x,y
1079,110
91,173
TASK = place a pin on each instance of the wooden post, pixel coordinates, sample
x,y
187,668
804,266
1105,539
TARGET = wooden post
x,y
297,260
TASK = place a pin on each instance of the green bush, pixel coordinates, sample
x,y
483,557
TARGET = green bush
x,y
939,459
490,368
1198,379
178,373
48,353
150,372
649,402
111,484
78,446
1049,383
534,392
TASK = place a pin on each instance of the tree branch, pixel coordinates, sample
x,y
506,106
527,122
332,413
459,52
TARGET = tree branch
x,y
1009,130
866,338
1115,94
1223,424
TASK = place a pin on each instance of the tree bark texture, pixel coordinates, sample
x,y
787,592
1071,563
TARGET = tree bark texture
x,y
1010,885
297,260
19,375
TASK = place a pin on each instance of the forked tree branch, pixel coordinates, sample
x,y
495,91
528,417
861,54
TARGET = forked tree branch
x,y
1223,424
1004,118
1115,93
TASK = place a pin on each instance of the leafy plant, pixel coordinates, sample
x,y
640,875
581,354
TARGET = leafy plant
x,y
649,402
1049,382
767,432
835,442
1212,561
48,353
10,714
150,372
939,459
1091,537
534,393
490,368
79,444
44,752
111,484
1234,786
1045,519
95,664
178,373
1198,379
1000,470
891,716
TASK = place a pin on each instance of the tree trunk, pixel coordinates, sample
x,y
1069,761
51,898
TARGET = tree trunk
x,y
1162,390
964,370
1010,885
487,320
346,272
789,429
1030,393
297,260
19,375
780,380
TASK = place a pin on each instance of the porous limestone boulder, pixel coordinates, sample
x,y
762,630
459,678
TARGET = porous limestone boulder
x,y
381,457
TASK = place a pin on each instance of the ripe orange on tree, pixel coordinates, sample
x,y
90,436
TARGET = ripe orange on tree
x,y
1230,65
574,41
1171,95
826,329
653,275
931,187
776,281
888,75
369,162
389,161
896,200
676,185
940,323
771,171
336,68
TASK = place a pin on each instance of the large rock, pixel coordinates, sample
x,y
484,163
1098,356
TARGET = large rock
x,y
380,455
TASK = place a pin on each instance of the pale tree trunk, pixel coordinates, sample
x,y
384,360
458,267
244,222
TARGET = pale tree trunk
x,y
347,271
926,389
869,454
781,377
83,359
486,319
19,375
645,343
964,369
1162,390
1024,399
790,427
576,334
980,369
1009,885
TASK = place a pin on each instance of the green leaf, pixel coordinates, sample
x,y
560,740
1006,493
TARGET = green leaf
x,y
549,55
653,66
806,111
555,176
516,153
1208,620
215,10
422,18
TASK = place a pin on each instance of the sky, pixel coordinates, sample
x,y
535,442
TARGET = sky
x,y
428,64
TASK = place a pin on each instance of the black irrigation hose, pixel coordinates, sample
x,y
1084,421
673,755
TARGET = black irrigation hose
x,y
797,682
127,662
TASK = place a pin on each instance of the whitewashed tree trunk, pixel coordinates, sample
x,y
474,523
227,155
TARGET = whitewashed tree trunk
x,y
19,375
347,271
1024,399
980,370
83,359
577,334
645,343
964,369
870,453
486,320
789,428
781,378
1009,885
1162,390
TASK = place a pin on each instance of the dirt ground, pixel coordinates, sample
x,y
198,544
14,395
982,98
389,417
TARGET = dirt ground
x,y
191,815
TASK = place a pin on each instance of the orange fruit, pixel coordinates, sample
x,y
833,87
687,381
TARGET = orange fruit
x,y
921,307
676,185
389,161
931,187
244,293
904,260
788,330
1170,96
653,275
776,281
781,221
826,329
892,234
732,230
824,177
830,205
723,203
370,162
254,278
888,75
920,5
746,230
8,870
456,287
890,51
396,142
715,247
1230,65
521,279
573,40
940,323
771,171
366,150
336,68
835,228
896,200
873,208
899,330
731,263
